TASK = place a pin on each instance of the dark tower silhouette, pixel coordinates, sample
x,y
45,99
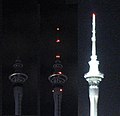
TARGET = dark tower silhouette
x,y
18,78
57,79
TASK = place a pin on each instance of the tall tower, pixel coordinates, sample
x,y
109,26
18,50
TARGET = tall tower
x,y
57,79
94,77
18,78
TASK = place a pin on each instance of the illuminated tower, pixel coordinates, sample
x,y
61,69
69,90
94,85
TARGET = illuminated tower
x,y
57,79
94,77
18,78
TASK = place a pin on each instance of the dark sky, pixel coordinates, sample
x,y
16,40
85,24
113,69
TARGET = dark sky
x,y
29,31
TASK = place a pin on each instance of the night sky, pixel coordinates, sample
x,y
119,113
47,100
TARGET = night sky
x,y
29,31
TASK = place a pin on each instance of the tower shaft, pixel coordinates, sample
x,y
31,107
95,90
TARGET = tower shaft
x,y
57,95
18,93
93,95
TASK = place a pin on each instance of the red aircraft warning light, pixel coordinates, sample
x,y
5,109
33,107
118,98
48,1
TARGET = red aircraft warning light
x,y
58,41
53,91
57,56
58,28
93,14
59,72
61,90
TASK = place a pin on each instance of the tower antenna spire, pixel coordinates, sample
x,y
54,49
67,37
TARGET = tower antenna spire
x,y
94,56
93,63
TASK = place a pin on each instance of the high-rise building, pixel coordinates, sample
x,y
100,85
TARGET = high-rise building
x,y
18,78
57,79
94,77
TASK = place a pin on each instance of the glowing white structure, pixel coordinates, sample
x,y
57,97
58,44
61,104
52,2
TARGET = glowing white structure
x,y
93,76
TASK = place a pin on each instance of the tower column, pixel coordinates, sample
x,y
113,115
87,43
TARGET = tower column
x,y
18,93
57,95
93,95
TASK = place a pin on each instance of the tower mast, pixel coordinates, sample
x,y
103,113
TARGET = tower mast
x,y
94,77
